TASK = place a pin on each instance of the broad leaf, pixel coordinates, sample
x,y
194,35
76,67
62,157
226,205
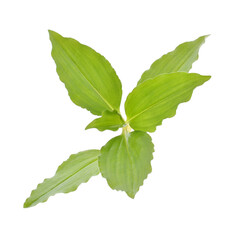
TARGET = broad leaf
x,y
125,161
109,121
79,168
179,60
89,78
156,99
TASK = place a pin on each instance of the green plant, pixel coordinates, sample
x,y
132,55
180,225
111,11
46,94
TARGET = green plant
x,y
125,161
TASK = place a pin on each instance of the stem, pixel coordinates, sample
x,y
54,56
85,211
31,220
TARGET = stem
x,y
126,129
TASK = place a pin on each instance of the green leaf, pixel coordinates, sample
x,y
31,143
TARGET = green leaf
x,y
79,168
179,60
156,99
89,78
109,121
125,161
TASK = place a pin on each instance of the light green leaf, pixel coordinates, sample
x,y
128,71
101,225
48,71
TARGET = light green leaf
x,y
179,60
156,99
89,78
109,121
125,161
79,168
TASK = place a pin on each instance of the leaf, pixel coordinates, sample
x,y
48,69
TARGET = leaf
x,y
89,78
156,99
109,121
79,168
179,60
125,161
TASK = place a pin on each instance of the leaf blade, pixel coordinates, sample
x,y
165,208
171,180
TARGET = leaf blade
x,y
158,98
109,121
179,60
91,81
79,168
125,161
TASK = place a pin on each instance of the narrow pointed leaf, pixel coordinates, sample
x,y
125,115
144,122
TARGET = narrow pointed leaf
x,y
89,78
179,60
125,161
109,121
156,99
79,168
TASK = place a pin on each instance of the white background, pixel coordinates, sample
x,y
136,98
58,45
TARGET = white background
x,y
191,192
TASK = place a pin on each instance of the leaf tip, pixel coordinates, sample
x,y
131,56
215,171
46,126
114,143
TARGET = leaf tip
x,y
131,194
205,36
88,127
53,34
26,204
207,77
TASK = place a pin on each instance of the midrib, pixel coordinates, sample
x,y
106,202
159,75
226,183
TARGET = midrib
x,y
156,103
64,180
131,160
93,87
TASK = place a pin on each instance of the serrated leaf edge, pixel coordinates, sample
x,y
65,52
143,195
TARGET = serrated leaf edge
x,y
81,105
71,190
118,190
174,111
163,56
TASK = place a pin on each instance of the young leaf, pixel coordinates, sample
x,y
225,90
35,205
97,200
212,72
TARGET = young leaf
x,y
156,99
89,78
79,168
179,60
125,161
109,121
